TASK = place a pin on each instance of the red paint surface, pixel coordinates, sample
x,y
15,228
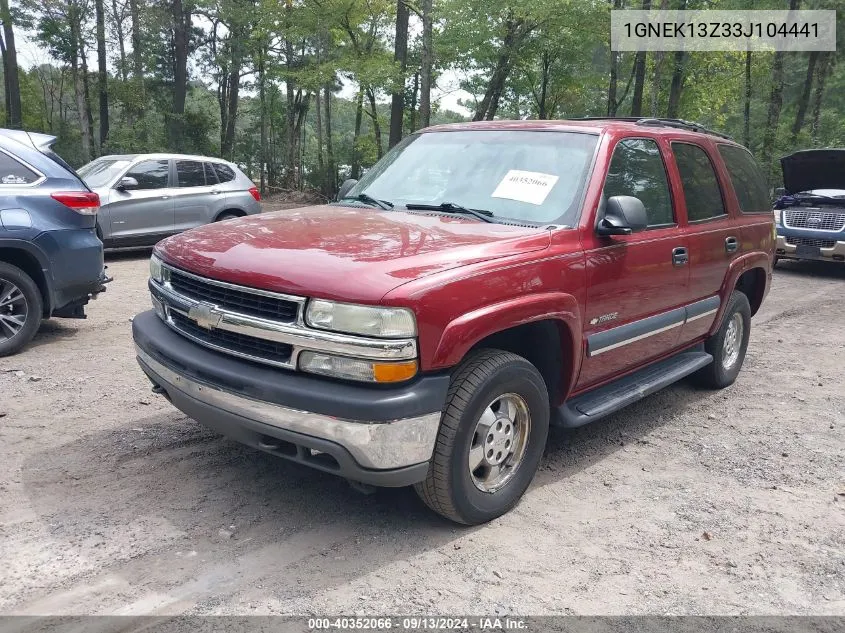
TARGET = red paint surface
x,y
467,279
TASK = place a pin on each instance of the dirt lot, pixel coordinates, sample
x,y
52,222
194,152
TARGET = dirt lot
x,y
689,502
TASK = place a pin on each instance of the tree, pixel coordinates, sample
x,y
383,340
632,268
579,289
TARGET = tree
x,y
426,63
10,68
400,57
181,14
639,75
102,73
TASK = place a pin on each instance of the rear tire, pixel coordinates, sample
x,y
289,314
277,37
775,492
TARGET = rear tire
x,y
228,215
21,308
728,345
497,417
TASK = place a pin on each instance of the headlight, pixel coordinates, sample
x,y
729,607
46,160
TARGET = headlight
x,y
778,213
155,269
356,368
364,320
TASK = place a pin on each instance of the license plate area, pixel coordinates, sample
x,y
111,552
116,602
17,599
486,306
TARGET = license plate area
x,y
806,250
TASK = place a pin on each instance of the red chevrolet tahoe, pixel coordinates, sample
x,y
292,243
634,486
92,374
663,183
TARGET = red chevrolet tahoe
x,y
481,281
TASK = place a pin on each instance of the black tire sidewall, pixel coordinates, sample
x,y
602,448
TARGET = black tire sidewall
x,y
34,308
738,303
474,505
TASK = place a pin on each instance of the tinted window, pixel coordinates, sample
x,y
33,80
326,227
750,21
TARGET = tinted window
x,y
150,174
747,179
701,189
224,172
636,169
210,176
190,173
13,173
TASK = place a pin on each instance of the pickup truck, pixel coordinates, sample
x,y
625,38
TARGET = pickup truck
x,y
482,281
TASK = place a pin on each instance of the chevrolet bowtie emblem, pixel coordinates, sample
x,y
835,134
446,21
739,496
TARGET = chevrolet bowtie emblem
x,y
205,315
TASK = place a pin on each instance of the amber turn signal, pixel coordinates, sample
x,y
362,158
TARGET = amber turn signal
x,y
394,372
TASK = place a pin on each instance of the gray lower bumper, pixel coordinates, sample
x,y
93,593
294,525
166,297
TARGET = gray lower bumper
x,y
834,253
393,453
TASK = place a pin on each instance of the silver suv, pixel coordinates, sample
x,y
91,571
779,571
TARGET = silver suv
x,y
146,197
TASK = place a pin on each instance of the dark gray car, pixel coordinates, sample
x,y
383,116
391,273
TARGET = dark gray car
x,y
146,197
51,261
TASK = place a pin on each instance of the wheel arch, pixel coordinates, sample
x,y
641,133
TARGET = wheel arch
x,y
25,256
544,329
230,211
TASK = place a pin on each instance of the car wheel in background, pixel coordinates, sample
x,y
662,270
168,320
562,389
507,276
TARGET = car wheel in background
x,y
728,344
228,215
492,435
20,309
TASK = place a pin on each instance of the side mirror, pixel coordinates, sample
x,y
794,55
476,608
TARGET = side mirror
x,y
346,187
127,182
623,215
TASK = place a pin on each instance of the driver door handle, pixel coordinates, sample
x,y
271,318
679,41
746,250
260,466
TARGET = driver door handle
x,y
680,256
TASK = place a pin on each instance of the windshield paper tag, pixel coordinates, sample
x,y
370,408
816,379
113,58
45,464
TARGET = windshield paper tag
x,y
525,186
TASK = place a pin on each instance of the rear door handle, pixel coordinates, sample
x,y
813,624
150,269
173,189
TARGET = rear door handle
x,y
680,256
731,244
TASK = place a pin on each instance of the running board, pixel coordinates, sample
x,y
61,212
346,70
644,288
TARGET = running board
x,y
610,398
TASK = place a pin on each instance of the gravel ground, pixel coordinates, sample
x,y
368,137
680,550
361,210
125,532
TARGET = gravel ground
x,y
690,502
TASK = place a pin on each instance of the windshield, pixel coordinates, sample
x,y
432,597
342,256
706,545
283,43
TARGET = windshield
x,y
100,172
515,174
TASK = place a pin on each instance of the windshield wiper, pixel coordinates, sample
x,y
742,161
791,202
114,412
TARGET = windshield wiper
x,y
368,199
450,207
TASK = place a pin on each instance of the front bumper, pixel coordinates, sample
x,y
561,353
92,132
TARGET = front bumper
x,y
790,251
378,436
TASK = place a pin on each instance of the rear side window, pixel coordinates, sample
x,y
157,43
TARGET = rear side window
x,y
701,188
150,174
224,172
14,173
190,173
747,179
210,176
636,169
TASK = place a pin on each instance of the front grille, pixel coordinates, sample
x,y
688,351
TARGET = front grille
x,y
233,299
807,241
240,344
814,219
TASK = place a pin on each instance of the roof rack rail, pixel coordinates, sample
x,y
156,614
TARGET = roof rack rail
x,y
656,121
681,124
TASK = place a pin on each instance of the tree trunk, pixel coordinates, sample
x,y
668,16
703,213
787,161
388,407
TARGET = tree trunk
x,y
516,30
639,75
102,73
746,111
228,147
677,85
181,32
137,51
426,63
321,166
89,116
804,100
74,18
331,181
612,103
356,136
290,120
825,68
412,124
262,101
6,94
400,55
546,62
13,91
121,39
371,96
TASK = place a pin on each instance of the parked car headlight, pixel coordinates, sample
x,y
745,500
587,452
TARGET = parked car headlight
x,y
778,214
156,269
364,320
356,368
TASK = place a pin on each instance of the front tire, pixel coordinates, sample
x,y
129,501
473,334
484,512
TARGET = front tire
x,y
228,215
728,345
492,435
21,308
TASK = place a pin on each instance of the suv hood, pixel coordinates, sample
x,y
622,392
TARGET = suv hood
x,y
342,253
814,169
